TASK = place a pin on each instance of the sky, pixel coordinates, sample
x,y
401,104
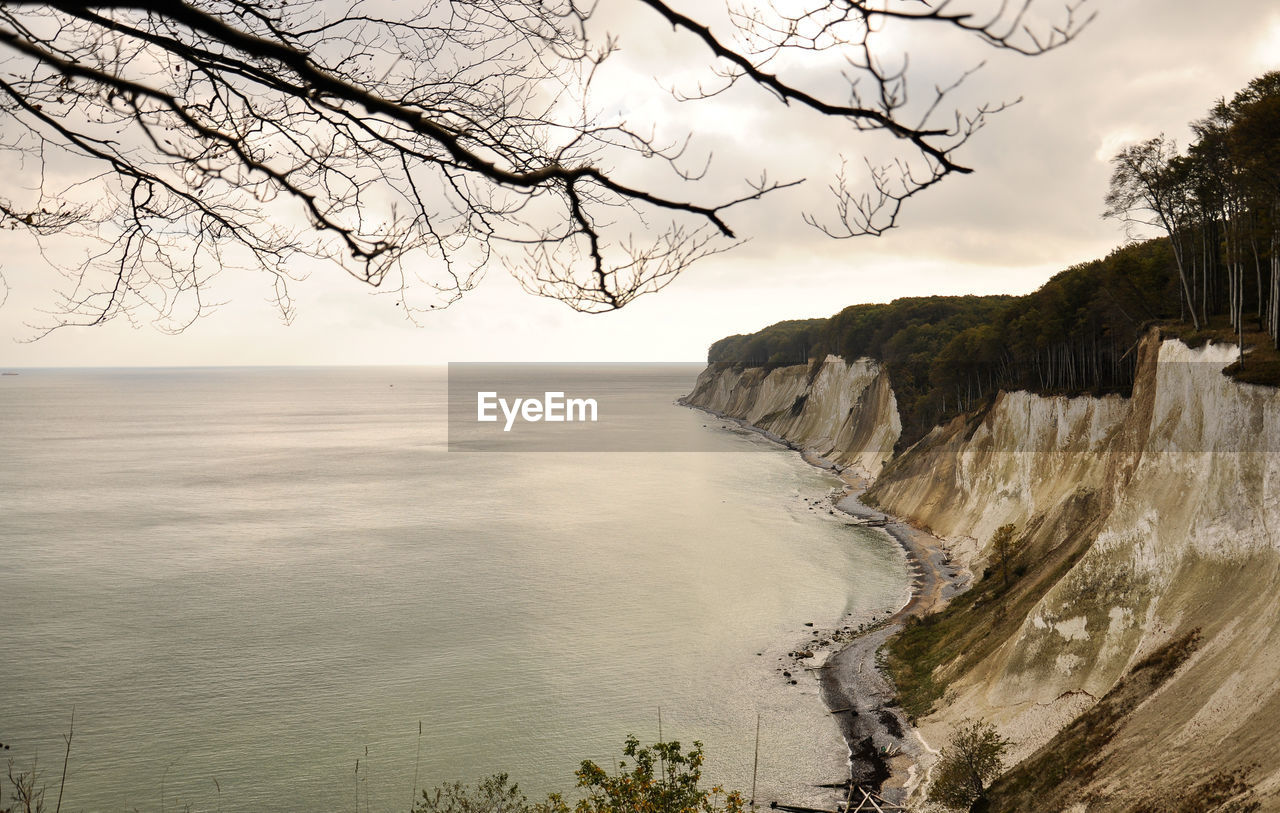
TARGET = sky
x,y
1031,207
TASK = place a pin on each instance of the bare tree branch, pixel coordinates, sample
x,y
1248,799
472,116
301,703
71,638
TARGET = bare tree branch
x,y
413,145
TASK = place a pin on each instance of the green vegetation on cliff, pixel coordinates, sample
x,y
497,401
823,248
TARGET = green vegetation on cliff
x,y
931,650
1056,775
1219,204
947,354
1215,275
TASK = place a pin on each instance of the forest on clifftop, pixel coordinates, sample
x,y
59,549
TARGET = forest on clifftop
x,y
1215,273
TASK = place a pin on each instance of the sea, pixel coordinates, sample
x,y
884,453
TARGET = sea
x,y
281,589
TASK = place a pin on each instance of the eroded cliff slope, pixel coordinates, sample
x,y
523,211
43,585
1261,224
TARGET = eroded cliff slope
x,y
1142,600
842,411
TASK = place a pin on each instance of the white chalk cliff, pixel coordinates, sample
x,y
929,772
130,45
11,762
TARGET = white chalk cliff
x,y
1163,510
844,412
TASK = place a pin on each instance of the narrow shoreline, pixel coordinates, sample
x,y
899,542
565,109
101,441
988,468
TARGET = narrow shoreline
x,y
883,748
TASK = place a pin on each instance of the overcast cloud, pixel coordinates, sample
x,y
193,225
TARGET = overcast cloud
x,y
1030,209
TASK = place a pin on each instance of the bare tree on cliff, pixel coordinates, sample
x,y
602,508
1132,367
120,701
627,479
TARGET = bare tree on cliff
x,y
1148,188
1218,204
416,144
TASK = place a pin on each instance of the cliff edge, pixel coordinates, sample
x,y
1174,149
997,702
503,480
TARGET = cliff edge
x,y
1129,640
844,412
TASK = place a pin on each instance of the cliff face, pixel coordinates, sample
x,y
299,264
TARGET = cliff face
x,y
843,412
1161,517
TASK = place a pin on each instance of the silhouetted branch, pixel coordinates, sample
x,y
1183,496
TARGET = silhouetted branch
x,y
412,145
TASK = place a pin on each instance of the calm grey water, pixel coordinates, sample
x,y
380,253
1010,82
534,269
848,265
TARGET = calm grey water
x,y
243,581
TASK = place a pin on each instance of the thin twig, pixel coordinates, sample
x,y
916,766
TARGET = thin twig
x,y
66,758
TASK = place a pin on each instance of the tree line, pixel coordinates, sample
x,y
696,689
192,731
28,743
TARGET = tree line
x,y
947,354
1217,265
1218,203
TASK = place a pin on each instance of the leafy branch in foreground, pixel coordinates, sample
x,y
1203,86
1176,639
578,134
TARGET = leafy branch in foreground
x,y
660,777
670,785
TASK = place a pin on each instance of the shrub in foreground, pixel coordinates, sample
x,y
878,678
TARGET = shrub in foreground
x,y
653,778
